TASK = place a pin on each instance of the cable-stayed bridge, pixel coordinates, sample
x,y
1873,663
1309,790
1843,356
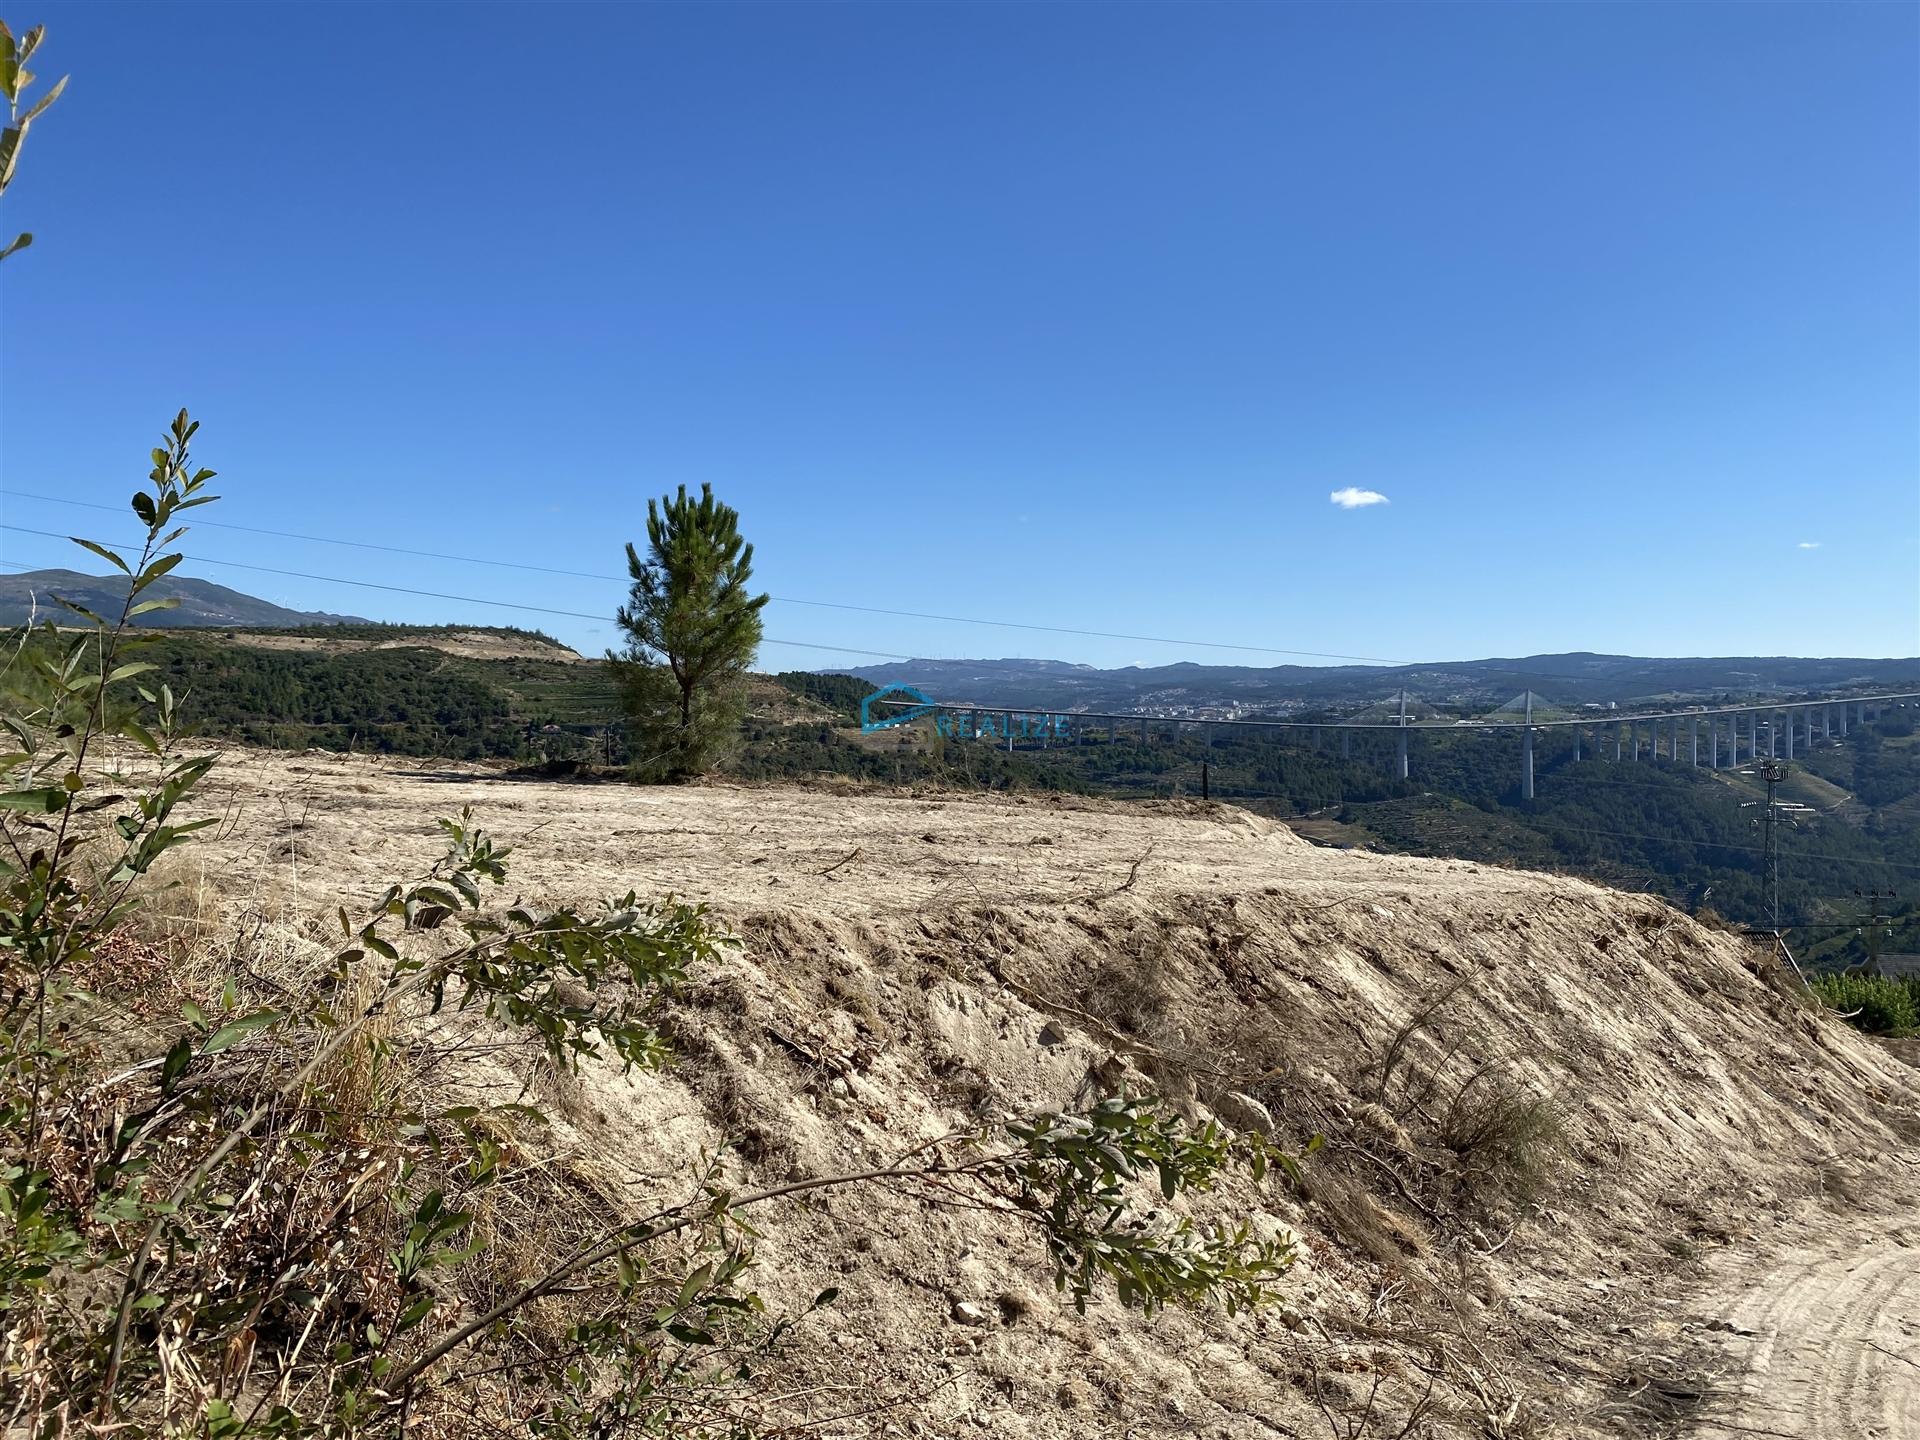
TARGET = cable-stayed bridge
x,y
1713,736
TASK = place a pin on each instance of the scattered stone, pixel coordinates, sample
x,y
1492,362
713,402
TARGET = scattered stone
x,y
1052,1034
1243,1112
965,1312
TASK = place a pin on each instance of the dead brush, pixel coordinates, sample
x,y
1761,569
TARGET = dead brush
x,y
1426,1373
1442,1085
526,1223
358,1089
1391,1405
1504,1135
1129,990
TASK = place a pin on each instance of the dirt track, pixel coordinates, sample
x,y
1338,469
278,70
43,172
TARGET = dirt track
x,y
1829,1341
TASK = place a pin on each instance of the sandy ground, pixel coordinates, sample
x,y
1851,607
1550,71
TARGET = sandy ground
x,y
469,644
1713,1258
743,847
1825,1339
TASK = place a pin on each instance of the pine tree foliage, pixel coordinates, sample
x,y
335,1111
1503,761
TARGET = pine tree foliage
x,y
692,629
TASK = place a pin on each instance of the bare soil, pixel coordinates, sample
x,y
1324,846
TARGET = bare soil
x,y
1825,1337
468,644
1691,1240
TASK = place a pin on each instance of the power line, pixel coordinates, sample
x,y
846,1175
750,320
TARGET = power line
x,y
516,605
1035,626
1453,666
463,599
324,539
584,615
779,599
1444,726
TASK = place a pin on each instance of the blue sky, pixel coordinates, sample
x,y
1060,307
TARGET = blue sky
x,y
1073,314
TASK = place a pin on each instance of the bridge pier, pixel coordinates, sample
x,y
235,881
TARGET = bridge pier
x,y
1526,753
1789,734
1403,735
1696,741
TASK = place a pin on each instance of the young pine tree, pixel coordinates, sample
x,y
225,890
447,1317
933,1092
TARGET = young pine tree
x,y
692,629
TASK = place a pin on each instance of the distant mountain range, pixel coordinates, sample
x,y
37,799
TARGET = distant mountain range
x,y
1227,691
30,595
1566,681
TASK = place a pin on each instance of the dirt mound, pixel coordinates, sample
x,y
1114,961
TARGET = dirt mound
x,y
1556,1117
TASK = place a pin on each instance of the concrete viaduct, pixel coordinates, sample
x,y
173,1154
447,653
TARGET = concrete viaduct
x,y
1717,736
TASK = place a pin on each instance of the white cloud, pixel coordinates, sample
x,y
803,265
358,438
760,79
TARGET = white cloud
x,y
1353,497
1809,544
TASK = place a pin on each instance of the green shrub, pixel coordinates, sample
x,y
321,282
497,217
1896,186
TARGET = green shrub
x,y
1877,1004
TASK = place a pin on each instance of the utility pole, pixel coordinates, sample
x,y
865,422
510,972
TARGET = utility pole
x,y
1772,772
1777,813
1875,921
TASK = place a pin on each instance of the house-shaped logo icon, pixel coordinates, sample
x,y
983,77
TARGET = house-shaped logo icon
x,y
893,715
